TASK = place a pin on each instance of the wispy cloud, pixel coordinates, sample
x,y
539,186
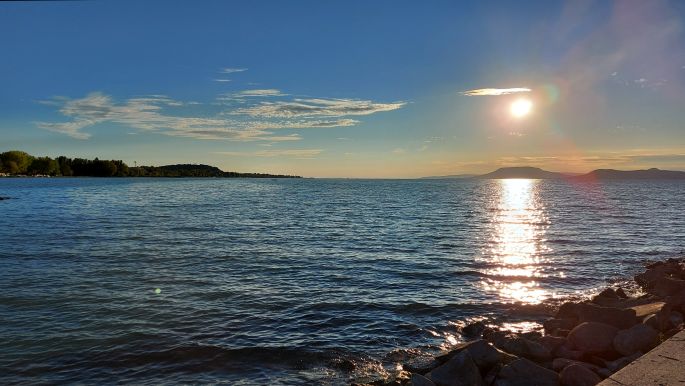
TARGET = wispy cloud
x,y
257,121
221,80
317,107
295,153
399,150
231,70
495,91
267,92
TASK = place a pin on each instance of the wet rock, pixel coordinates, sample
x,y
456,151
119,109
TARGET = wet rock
x,y
567,310
460,370
621,293
421,365
648,308
619,318
559,364
491,375
655,273
668,286
523,372
608,293
577,375
420,380
620,363
568,353
554,324
523,347
652,321
552,342
676,319
562,333
483,354
592,337
640,337
473,329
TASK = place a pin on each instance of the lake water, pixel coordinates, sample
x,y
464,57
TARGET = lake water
x,y
247,281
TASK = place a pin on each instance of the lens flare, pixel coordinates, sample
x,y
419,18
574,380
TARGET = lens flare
x,y
521,107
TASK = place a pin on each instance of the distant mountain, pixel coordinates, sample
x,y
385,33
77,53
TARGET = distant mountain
x,y
649,174
523,172
452,176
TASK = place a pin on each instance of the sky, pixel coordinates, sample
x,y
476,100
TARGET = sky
x,y
368,89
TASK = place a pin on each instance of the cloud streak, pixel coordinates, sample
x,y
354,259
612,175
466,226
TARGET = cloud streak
x,y
495,91
295,153
257,121
232,70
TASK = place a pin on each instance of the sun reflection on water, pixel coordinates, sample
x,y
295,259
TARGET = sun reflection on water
x,y
516,245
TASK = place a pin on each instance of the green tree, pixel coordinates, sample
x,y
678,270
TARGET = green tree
x,y
17,161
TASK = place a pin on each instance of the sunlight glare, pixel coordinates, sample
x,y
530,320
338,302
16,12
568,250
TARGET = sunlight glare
x,y
521,107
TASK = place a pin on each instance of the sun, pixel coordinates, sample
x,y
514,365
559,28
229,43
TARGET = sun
x,y
521,107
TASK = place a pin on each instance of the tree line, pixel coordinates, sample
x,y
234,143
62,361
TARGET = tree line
x,y
17,162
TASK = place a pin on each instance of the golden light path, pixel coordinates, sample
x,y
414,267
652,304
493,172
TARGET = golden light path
x,y
517,242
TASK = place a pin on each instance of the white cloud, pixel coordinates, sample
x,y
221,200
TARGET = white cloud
x,y
221,80
495,91
296,153
317,107
152,113
260,93
231,70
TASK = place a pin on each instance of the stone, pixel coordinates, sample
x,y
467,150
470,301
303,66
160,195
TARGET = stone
x,y
474,330
523,347
592,337
668,286
652,321
640,337
552,342
420,380
567,310
608,293
568,353
619,318
559,364
620,363
655,273
554,324
578,375
483,354
523,372
460,370
647,309
676,319
421,364
621,293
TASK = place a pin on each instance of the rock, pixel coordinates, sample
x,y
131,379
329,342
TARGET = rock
x,y
460,370
552,342
567,310
668,286
621,293
676,319
483,354
608,293
652,321
640,337
655,273
592,337
647,309
420,380
491,375
620,318
566,352
523,372
474,330
577,375
620,363
523,347
552,325
421,365
559,364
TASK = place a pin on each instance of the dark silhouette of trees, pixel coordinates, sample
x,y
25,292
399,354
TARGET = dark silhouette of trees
x,y
16,162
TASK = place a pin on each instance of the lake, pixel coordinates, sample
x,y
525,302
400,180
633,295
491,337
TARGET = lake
x,y
297,281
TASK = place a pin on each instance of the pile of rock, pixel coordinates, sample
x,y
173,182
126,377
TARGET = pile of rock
x,y
584,343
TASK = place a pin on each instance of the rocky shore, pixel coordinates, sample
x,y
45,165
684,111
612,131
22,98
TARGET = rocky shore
x,y
584,343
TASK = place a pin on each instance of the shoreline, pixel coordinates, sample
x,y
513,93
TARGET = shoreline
x,y
583,343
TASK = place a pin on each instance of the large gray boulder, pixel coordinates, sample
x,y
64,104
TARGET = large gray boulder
x,y
522,347
483,354
668,286
640,337
592,337
460,370
523,372
559,364
578,375
617,317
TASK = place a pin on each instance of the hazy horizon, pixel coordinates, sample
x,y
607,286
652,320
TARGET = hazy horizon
x,y
354,89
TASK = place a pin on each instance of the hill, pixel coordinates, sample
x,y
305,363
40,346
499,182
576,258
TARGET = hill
x,y
523,172
649,174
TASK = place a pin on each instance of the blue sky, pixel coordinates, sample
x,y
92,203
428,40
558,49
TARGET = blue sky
x,y
347,89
